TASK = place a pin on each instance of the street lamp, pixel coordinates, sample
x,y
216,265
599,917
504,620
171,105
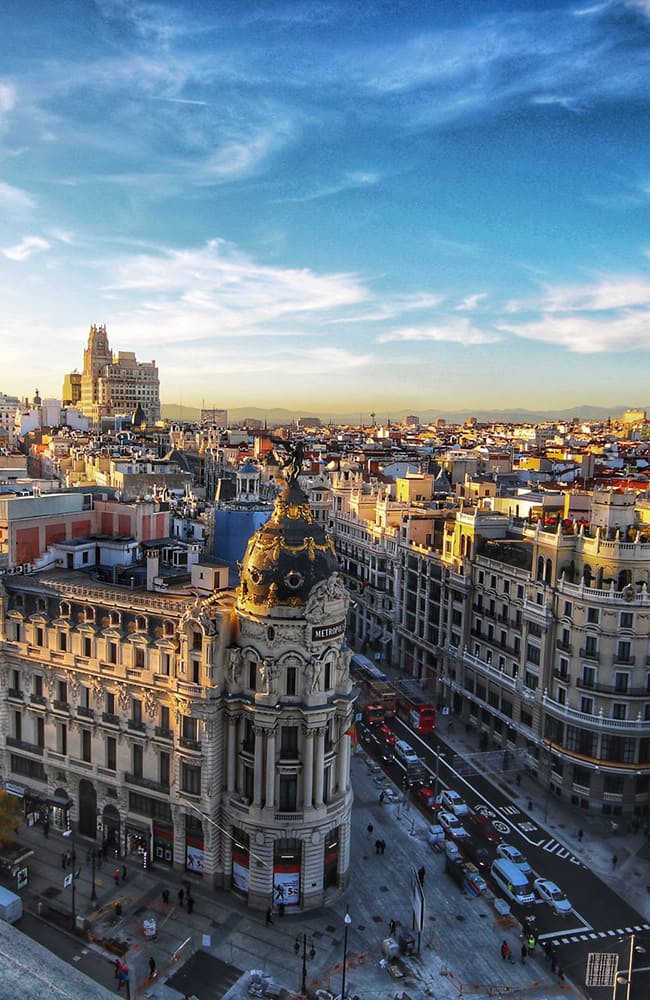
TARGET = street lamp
x,y
347,920
312,955
70,833
93,891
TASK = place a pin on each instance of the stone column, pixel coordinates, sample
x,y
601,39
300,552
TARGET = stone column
x,y
308,770
270,770
319,774
259,761
343,761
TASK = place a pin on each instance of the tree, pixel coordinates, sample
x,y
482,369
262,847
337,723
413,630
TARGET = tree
x,y
10,816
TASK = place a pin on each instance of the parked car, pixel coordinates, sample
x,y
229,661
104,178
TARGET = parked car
x,y
511,853
553,895
452,825
483,828
477,853
426,798
452,802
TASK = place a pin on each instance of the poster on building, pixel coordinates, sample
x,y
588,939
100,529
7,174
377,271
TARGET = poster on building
x,y
240,876
194,859
286,886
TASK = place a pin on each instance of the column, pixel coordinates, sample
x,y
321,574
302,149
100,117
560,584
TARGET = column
x,y
342,761
259,761
269,798
318,769
232,754
308,770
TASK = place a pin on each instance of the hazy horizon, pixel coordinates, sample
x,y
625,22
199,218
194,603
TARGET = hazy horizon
x,y
333,207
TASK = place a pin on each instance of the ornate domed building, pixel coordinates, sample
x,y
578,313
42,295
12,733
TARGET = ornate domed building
x,y
288,711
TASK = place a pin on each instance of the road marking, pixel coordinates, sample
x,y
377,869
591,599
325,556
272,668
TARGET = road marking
x,y
510,810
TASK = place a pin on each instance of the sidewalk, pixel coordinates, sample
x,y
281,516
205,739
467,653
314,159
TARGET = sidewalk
x,y
204,952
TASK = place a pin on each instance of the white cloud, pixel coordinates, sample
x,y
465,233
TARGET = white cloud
x,y
589,334
28,246
15,198
471,302
455,332
7,97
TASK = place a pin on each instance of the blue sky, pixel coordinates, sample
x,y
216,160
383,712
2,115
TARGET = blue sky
x,y
330,206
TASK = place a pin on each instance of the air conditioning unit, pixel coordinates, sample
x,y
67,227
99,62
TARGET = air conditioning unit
x,y
18,569
27,567
10,571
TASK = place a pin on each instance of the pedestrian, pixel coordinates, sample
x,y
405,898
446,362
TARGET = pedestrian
x,y
269,916
124,873
152,968
46,827
382,846
554,962
116,876
532,941
181,896
123,978
190,903
165,897
382,796
118,964
421,874
370,829
505,951
378,847
518,780
281,909
524,953
580,834
614,862
64,858
548,948
392,927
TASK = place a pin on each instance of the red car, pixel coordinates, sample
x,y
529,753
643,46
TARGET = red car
x,y
426,798
481,826
385,736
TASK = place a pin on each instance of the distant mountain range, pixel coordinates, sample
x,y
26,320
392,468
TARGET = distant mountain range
x,y
276,415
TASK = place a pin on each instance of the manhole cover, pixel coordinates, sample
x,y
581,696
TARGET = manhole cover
x,y
460,917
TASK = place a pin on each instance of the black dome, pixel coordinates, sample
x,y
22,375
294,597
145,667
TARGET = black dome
x,y
286,557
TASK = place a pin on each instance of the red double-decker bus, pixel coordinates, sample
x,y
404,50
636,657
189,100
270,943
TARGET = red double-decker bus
x,y
413,707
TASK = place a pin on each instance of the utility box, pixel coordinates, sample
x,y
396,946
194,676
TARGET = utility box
x,y
390,949
407,944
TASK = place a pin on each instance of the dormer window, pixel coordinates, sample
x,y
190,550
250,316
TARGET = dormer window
x,y
141,623
64,609
115,618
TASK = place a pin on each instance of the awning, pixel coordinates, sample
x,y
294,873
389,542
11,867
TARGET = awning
x,y
58,800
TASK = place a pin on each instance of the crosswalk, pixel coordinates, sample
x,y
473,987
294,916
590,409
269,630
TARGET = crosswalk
x,y
573,937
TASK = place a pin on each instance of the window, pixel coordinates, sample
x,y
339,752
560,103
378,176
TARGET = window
x,y
196,672
327,681
289,743
39,636
110,703
111,753
561,695
621,682
626,619
582,776
593,616
291,681
112,652
62,691
137,758
587,705
164,718
87,646
252,675
191,779
63,641
288,793
532,653
520,593
190,728
85,745
164,769
18,725
136,711
38,686
165,661
563,667
588,677
619,710
197,640
506,586
40,732
531,680
624,652
568,608
138,658
591,645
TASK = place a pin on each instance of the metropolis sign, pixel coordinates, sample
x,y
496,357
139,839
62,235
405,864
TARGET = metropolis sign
x,y
320,632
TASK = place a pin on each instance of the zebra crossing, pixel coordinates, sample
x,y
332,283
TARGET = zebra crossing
x,y
573,937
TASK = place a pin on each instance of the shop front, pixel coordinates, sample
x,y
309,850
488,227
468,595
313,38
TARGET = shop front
x,y
163,844
111,832
137,840
286,873
41,808
194,850
240,861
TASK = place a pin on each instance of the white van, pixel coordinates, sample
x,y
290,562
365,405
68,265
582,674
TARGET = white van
x,y
512,881
11,906
405,752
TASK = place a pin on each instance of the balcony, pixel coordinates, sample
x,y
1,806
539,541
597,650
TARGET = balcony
x,y
624,661
564,647
613,690
148,783
110,718
16,694
136,726
599,721
38,700
489,670
12,741
86,713
560,675
590,654
60,706
163,734
187,744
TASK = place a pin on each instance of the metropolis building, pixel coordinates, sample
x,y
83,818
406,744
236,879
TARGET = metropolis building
x,y
201,729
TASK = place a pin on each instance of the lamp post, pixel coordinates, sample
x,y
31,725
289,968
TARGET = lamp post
x,y
70,833
93,891
312,955
347,920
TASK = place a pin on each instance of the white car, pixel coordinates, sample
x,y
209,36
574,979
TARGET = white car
x,y
452,802
451,825
510,853
553,895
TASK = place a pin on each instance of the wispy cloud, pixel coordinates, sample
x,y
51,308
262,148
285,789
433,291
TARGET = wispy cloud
x,y
15,198
28,246
353,181
454,332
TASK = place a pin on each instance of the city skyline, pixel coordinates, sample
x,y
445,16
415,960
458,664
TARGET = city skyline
x,y
334,207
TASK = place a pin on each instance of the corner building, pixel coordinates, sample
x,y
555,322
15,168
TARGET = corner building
x,y
205,734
